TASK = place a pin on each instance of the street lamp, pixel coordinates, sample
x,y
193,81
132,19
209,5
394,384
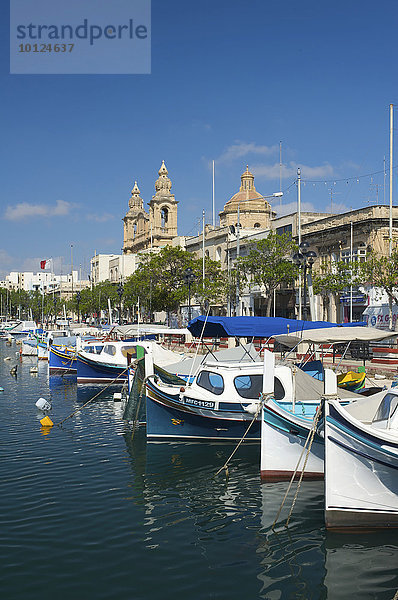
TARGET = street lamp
x,y
189,278
304,259
78,298
120,291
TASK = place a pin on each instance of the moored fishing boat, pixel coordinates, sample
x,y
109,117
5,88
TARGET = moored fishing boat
x,y
113,360
361,462
223,399
351,381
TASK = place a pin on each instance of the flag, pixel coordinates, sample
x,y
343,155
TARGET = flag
x,y
45,264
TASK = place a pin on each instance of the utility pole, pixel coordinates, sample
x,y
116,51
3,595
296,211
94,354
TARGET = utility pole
x,y
391,137
237,262
299,231
213,200
203,250
390,220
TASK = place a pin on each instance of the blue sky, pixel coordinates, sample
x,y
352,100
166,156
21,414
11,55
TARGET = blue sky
x,y
230,80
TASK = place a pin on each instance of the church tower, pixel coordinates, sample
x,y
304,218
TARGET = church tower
x,y
163,210
135,224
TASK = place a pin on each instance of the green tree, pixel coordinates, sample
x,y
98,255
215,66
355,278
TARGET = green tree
x,y
159,280
382,272
268,264
334,278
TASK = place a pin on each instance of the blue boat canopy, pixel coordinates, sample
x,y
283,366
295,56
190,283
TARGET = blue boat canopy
x,y
260,327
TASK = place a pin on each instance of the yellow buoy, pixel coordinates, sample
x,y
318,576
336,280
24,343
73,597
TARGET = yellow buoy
x,y
46,422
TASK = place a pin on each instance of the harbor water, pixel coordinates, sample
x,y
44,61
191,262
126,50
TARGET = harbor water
x,y
87,511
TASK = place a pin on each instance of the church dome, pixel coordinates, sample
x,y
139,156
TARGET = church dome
x,y
247,191
254,210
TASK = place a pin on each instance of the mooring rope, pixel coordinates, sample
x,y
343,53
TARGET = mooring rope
x,y
313,430
308,440
263,398
91,399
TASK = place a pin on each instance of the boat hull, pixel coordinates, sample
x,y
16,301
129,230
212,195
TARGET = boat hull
x,y
89,371
61,361
168,418
283,436
361,487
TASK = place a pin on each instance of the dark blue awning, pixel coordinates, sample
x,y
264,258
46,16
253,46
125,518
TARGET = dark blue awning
x,y
261,327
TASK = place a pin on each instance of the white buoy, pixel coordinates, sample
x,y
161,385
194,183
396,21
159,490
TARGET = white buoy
x,y
117,397
251,408
43,404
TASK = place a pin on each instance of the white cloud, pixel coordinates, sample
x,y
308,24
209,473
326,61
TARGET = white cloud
x,y
24,210
289,171
99,218
242,149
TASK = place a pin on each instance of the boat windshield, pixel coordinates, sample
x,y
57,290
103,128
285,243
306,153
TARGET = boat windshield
x,y
109,349
250,387
213,382
387,408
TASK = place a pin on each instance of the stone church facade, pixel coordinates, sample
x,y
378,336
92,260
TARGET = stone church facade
x,y
154,228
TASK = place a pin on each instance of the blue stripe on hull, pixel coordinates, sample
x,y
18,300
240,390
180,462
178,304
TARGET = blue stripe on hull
x,y
169,422
61,361
90,372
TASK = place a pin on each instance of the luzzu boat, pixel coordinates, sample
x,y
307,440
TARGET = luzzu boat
x,y
62,357
361,462
223,399
292,443
112,362
351,381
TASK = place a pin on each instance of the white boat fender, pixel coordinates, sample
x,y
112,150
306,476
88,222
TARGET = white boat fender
x,y
43,404
251,408
117,397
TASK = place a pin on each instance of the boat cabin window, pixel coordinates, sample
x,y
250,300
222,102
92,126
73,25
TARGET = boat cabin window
x,y
250,387
93,349
109,349
387,408
213,382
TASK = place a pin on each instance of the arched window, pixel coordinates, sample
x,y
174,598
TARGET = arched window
x,y
218,253
134,230
164,215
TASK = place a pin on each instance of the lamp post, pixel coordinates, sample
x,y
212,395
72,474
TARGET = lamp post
x,y
120,291
78,298
189,277
275,195
304,259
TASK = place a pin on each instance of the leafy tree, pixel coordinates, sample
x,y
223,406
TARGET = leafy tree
x,y
159,280
382,272
334,278
268,264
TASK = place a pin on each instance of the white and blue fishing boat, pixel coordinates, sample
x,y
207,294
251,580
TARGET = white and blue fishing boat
x,y
361,462
62,359
113,361
223,399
